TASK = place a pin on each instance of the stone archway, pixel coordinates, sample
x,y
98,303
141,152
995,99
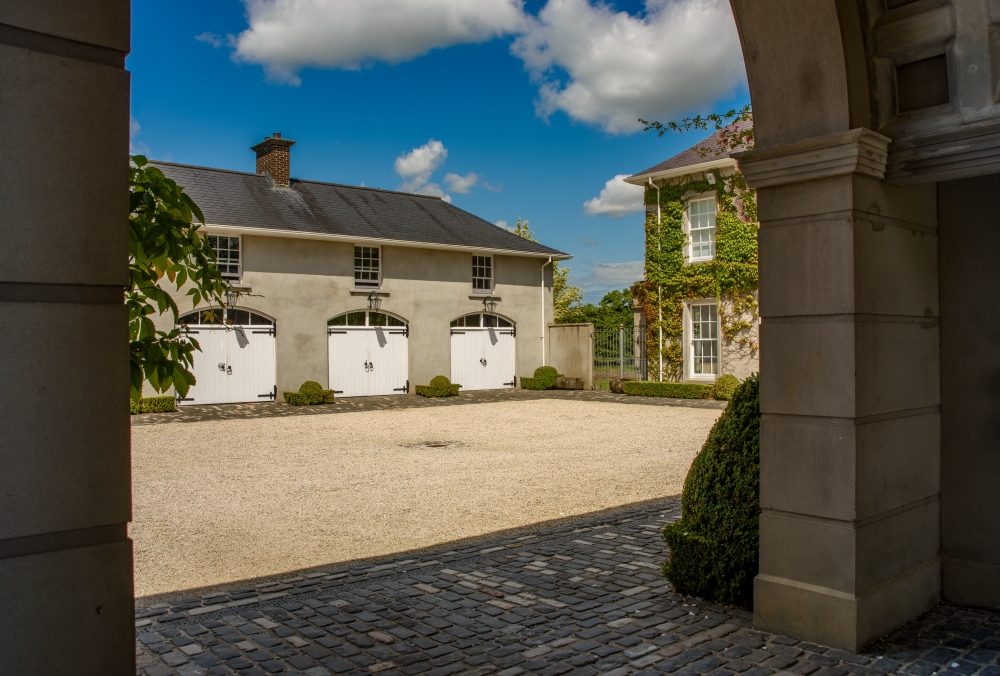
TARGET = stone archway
x,y
865,472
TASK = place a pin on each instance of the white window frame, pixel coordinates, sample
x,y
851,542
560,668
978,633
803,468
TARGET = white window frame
x,y
366,283
239,265
493,274
689,350
689,256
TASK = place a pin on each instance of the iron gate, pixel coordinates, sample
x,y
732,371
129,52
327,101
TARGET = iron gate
x,y
619,353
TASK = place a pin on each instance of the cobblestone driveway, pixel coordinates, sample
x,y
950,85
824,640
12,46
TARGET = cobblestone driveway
x,y
585,598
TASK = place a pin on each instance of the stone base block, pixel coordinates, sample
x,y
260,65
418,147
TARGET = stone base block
x,y
68,612
840,620
970,583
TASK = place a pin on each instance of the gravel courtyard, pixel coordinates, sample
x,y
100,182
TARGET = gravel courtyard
x,y
220,501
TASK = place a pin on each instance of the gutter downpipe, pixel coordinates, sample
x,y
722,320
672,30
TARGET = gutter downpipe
x,y
659,298
543,307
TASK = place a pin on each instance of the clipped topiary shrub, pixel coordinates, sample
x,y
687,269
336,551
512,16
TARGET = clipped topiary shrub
x,y
544,379
714,545
440,387
310,387
644,388
163,404
310,393
725,387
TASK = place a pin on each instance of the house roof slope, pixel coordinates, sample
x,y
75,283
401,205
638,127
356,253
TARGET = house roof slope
x,y
708,150
244,200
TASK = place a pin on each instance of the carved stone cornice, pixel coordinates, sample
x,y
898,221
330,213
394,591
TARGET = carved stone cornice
x,y
859,151
971,150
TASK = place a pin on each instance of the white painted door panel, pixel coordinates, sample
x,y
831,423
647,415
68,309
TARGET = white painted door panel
x,y
368,361
482,359
233,366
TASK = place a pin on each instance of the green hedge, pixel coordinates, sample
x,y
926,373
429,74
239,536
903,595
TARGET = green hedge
x,y
310,393
714,546
162,404
544,379
725,387
440,387
644,388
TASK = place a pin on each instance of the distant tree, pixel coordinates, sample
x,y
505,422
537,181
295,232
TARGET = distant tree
x,y
163,241
614,309
564,296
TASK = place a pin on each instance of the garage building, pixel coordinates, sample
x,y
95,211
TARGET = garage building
x,y
366,291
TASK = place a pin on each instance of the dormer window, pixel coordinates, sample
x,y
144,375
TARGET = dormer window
x,y
701,229
227,255
367,266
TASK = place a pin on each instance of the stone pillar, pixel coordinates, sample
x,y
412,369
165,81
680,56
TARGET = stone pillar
x,y
850,464
65,497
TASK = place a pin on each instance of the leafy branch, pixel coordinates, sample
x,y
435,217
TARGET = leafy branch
x,y
163,241
734,129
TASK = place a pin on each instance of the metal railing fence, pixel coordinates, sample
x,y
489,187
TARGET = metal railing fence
x,y
619,353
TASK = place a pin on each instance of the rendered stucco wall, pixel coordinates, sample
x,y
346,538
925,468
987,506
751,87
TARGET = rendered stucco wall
x,y
303,283
571,351
970,390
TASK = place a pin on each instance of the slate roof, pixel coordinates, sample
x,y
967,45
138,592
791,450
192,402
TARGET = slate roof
x,y
239,199
696,154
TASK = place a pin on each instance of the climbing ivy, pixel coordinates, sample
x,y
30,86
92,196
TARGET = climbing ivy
x,y
730,277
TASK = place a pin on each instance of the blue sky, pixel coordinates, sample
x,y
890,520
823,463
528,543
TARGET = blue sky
x,y
535,100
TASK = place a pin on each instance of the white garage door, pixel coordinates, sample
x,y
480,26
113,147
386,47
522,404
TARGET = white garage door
x,y
368,354
482,352
236,361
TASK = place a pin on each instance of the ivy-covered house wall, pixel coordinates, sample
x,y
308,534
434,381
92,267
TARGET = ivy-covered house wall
x,y
678,274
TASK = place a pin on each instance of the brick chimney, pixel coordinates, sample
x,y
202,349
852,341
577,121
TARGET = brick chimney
x,y
273,158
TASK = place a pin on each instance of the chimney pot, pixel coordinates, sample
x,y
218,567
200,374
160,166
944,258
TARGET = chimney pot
x,y
274,158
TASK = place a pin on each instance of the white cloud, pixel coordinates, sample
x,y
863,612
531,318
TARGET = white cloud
x,y
604,277
501,224
135,147
287,35
211,39
682,55
617,198
416,167
461,184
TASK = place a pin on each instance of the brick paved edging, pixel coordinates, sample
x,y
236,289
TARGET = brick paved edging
x,y
583,598
396,402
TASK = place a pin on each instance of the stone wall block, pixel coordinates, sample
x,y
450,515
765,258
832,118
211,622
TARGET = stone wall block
x,y
68,116
811,467
807,612
810,365
104,23
896,544
896,269
812,551
898,462
807,268
69,612
897,365
65,448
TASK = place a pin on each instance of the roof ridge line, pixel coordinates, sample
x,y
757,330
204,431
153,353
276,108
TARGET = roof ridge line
x,y
297,180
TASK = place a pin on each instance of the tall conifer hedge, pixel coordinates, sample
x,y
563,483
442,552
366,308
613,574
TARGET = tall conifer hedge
x,y
714,546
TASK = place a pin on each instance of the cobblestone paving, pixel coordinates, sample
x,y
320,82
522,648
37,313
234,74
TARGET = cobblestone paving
x,y
583,599
280,409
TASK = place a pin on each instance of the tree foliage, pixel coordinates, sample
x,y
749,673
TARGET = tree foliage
x,y
614,309
164,242
564,295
